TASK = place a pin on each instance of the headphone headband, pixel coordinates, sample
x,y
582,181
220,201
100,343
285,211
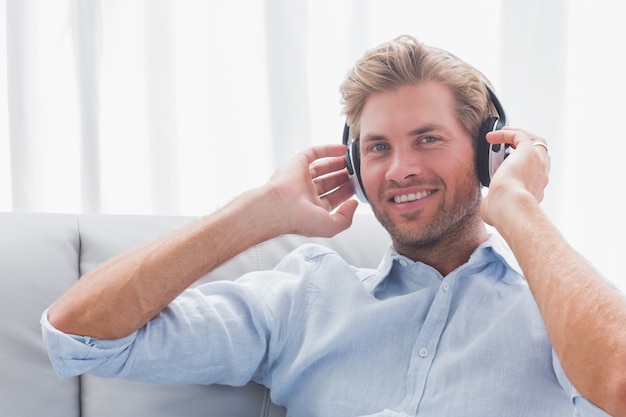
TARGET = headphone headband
x,y
496,103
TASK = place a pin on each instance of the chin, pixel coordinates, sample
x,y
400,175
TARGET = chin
x,y
444,227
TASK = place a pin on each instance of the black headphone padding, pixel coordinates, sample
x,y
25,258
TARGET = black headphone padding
x,y
352,159
488,156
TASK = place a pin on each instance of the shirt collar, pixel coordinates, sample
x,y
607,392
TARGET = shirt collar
x,y
493,247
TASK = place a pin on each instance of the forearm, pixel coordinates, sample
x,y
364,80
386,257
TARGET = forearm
x,y
308,195
584,314
124,293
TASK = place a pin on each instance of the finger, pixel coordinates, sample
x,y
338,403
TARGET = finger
x,y
323,151
337,196
326,165
514,137
342,218
329,182
541,145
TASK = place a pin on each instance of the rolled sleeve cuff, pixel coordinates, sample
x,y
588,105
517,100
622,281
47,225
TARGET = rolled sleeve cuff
x,y
583,407
73,355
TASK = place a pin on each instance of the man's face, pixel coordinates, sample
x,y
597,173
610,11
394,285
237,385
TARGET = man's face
x,y
417,164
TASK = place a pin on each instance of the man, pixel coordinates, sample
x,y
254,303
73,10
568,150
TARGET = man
x,y
446,326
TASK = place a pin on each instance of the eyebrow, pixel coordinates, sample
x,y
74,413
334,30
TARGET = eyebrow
x,y
431,127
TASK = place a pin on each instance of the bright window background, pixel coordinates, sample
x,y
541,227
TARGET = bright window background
x,y
175,107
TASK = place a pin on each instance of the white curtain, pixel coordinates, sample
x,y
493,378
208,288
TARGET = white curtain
x,y
176,106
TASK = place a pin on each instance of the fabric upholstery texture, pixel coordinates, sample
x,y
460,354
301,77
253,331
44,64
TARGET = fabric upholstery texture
x,y
42,255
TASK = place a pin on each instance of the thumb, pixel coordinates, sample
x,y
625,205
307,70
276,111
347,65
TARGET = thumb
x,y
342,218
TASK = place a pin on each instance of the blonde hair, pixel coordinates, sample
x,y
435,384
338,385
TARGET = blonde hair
x,y
405,61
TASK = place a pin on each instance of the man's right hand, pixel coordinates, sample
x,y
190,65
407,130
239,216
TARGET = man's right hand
x,y
312,193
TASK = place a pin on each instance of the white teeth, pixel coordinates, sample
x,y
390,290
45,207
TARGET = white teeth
x,y
411,196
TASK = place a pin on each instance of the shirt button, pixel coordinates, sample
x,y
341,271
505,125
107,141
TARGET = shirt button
x,y
423,352
445,287
403,262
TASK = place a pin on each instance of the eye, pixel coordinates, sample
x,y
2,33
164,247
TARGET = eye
x,y
378,147
429,139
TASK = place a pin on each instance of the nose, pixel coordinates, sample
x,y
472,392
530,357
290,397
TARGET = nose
x,y
403,165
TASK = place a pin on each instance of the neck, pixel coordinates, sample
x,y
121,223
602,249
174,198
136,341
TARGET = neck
x,y
451,250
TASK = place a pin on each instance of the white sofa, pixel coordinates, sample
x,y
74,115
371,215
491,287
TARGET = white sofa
x,y
41,255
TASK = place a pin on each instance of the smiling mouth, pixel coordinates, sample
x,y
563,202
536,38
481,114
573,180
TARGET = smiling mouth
x,y
404,198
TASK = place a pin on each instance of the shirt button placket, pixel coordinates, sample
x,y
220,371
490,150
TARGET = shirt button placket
x,y
426,345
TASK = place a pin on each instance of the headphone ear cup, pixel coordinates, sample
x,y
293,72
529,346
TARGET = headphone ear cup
x,y
353,163
352,159
489,156
348,161
483,150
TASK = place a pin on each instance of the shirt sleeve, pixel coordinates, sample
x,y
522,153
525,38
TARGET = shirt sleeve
x,y
582,406
215,333
73,355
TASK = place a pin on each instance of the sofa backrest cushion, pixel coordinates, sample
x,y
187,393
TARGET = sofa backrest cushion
x,y
43,255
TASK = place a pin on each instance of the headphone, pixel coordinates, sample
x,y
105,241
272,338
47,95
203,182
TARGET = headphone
x,y
488,156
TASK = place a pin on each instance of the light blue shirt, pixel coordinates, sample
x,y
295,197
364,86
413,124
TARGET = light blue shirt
x,y
330,340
